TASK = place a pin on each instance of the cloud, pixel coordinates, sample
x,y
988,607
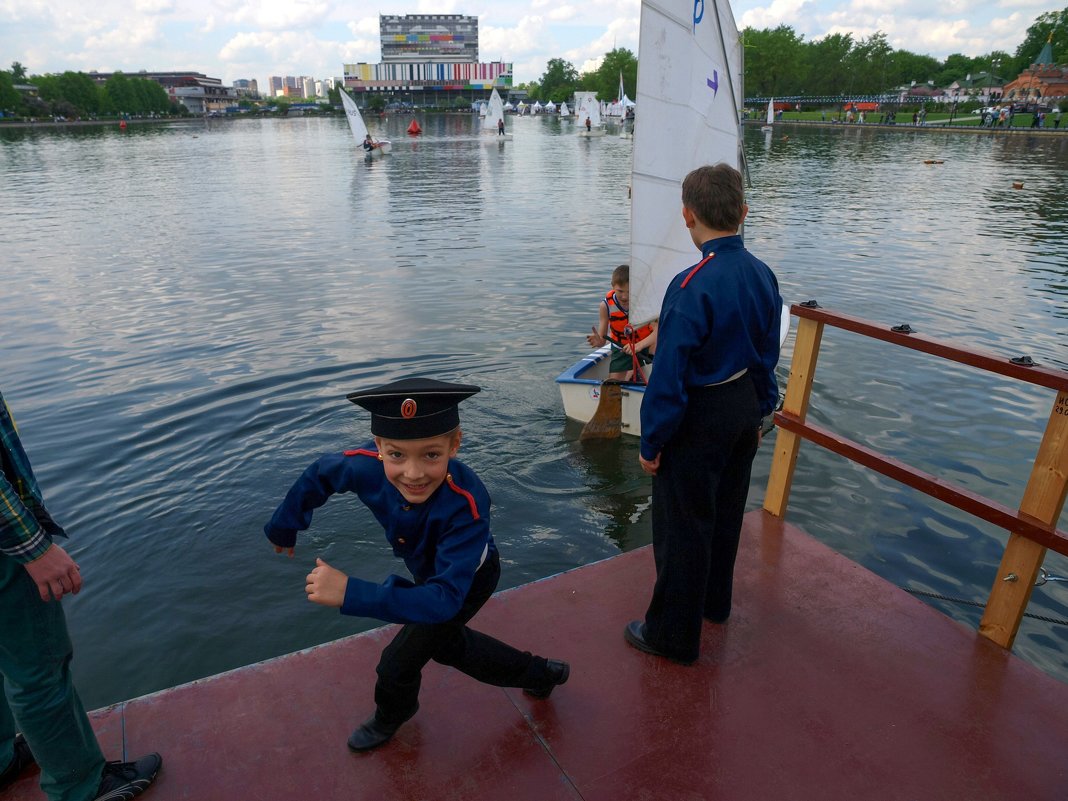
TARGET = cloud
x,y
153,6
780,12
281,15
129,34
562,13
367,26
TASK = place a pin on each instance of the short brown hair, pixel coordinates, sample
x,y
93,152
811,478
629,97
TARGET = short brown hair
x,y
715,195
621,275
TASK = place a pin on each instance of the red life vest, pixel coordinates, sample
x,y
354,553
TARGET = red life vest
x,y
619,322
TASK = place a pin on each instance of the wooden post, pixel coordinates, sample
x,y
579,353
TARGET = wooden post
x,y
798,392
1043,499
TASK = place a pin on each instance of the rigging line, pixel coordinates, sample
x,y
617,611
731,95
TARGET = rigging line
x,y
734,99
939,597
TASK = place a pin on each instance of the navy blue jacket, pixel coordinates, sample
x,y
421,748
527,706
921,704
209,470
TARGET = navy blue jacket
x,y
714,322
442,540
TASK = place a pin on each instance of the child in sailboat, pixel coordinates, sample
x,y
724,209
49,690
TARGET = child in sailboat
x,y
613,325
435,512
369,143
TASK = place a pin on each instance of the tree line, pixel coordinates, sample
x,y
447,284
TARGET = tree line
x,y
779,62
76,94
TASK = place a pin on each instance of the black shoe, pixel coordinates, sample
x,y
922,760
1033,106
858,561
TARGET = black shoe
x,y
558,673
125,780
634,634
22,759
374,732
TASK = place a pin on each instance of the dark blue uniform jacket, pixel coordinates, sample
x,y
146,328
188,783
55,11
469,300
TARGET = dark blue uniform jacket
x,y
442,540
725,319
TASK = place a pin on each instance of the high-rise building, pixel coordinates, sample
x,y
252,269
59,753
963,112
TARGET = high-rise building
x,y
429,59
307,86
277,84
420,38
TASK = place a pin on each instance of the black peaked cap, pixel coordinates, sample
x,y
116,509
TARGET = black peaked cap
x,y
413,408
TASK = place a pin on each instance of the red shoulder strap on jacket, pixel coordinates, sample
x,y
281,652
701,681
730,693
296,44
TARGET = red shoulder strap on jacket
x,y
697,267
362,452
465,493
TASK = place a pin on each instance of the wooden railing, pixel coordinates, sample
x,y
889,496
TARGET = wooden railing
x,y
1032,527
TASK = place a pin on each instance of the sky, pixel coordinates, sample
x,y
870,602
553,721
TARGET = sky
x,y
231,39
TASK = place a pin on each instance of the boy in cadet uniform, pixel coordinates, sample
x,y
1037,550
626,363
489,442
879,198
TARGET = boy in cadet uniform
x,y
714,380
436,514
613,325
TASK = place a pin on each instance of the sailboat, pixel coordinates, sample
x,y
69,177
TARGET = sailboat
x,y
589,109
771,116
689,99
564,110
494,113
359,130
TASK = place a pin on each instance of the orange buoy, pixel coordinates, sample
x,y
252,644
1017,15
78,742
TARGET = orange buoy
x,y
414,128
1017,184
934,161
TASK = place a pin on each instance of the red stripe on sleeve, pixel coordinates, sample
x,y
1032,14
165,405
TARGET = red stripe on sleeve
x,y
466,494
697,267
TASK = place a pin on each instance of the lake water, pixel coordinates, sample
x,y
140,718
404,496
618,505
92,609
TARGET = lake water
x,y
184,307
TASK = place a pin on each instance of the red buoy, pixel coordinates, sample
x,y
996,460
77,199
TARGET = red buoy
x,y
122,125
414,128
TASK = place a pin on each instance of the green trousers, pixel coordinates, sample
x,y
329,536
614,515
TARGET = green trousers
x,y
38,697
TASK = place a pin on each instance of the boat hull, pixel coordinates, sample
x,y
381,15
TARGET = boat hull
x,y
594,132
580,390
580,384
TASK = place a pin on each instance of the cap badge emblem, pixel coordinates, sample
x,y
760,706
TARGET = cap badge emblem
x,y
408,409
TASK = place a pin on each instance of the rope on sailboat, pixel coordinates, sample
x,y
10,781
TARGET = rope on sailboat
x,y
632,339
937,596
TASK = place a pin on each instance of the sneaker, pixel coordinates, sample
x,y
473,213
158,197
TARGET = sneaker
x,y
22,759
557,673
125,780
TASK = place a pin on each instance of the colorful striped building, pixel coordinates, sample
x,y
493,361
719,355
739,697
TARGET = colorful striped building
x,y
429,58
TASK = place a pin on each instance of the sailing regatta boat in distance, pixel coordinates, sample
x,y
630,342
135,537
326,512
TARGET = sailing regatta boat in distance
x,y
494,117
359,130
771,116
589,109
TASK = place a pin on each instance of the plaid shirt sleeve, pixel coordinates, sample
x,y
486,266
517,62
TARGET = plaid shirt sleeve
x,y
22,532
21,536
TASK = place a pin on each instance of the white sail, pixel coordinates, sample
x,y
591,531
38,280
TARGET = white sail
x,y
689,96
564,110
494,112
592,109
482,109
359,130
771,111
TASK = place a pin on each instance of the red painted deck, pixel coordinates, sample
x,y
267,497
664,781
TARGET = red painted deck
x,y
827,683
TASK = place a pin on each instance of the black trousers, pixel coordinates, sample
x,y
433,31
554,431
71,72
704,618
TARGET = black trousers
x,y
699,496
452,643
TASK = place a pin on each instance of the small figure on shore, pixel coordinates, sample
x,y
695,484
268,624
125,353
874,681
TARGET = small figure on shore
x,y
714,381
1056,118
436,513
35,651
613,325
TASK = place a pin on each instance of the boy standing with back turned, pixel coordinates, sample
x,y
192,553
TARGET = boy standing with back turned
x,y
714,380
436,515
